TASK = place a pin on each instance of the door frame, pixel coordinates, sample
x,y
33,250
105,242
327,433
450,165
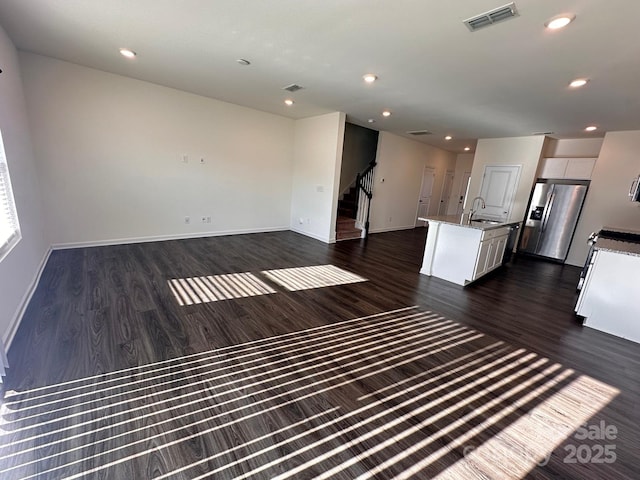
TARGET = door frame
x,y
464,192
447,174
424,169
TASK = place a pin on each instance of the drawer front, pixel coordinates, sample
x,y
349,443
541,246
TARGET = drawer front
x,y
496,232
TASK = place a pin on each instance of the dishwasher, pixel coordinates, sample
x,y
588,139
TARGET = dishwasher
x,y
511,243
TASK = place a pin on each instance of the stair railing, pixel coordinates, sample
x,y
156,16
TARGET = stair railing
x,y
364,182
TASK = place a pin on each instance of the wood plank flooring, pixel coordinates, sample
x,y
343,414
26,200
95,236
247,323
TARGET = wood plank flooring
x,y
154,361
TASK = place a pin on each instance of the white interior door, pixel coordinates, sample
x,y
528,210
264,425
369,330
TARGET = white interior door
x,y
464,190
498,189
446,193
428,177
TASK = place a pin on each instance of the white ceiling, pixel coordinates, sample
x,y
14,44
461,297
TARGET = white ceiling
x,y
509,79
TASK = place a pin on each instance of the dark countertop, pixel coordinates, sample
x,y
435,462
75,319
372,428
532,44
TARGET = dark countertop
x,y
618,246
627,244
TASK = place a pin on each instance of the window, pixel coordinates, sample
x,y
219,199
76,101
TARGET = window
x,y
9,226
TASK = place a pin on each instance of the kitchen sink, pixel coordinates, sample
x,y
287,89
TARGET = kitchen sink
x,y
485,221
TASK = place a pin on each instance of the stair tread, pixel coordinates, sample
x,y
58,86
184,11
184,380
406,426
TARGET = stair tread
x,y
346,227
348,235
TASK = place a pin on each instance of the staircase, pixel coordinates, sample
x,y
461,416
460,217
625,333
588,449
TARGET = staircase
x,y
346,229
355,206
348,206
347,209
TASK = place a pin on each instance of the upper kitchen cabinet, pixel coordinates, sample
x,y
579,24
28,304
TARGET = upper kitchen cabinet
x,y
567,168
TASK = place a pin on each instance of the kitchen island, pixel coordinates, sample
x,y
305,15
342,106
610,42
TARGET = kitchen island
x,y
460,251
608,299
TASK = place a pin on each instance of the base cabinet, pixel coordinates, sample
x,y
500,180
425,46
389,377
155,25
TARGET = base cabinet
x,y
484,253
501,244
490,253
608,300
461,254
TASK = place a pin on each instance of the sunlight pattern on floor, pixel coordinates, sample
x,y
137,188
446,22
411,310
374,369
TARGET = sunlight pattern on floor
x,y
304,278
413,368
194,290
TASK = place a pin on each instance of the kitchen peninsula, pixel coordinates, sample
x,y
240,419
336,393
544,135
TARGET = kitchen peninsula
x,y
460,251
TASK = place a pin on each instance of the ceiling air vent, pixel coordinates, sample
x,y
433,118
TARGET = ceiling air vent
x,y
419,132
492,16
292,88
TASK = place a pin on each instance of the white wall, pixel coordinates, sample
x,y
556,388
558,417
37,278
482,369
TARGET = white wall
x,y
110,151
464,163
317,160
20,268
400,163
524,151
607,203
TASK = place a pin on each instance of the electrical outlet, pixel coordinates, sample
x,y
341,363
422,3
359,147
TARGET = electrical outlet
x,y
204,219
208,219
201,160
187,220
185,158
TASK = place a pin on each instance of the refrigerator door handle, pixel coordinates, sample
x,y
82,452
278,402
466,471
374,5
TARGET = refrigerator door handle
x,y
547,212
632,190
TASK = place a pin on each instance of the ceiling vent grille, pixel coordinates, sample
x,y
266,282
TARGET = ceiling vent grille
x,y
292,88
492,16
419,132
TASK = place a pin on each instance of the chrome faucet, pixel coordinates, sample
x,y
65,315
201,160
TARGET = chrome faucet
x,y
483,205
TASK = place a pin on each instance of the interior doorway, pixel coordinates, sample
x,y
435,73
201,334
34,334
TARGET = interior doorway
x,y
424,202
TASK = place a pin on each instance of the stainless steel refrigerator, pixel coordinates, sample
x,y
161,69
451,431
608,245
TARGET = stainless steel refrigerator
x,y
552,217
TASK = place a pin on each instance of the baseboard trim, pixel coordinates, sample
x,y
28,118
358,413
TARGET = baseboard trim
x,y
161,238
24,302
314,236
391,229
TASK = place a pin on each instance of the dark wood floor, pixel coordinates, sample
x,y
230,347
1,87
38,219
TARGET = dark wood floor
x,y
399,376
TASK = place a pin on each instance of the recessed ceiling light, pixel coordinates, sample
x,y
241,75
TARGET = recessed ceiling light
x,y
371,120
466,149
579,82
288,102
370,78
591,128
243,61
560,21
448,137
386,113
125,52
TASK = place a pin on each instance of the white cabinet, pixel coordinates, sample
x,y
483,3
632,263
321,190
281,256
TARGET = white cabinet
x,y
580,168
484,252
500,243
491,251
568,168
553,167
608,300
461,254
